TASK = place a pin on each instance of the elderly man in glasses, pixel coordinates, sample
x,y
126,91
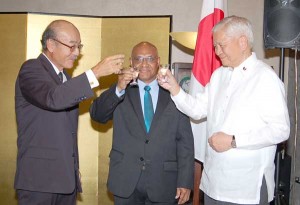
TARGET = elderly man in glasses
x,y
47,117
247,116
152,155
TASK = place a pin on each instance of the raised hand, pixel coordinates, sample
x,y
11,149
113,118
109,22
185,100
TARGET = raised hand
x,y
109,65
124,78
168,82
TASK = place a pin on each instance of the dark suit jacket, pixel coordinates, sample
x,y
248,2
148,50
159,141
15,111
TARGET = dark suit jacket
x,y
165,154
47,118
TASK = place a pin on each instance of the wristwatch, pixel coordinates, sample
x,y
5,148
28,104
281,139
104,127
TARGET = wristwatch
x,y
233,142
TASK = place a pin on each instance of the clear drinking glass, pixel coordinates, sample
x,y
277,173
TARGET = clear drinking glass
x,y
135,75
163,70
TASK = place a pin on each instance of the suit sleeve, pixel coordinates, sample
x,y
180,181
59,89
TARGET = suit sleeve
x,y
185,153
40,89
103,107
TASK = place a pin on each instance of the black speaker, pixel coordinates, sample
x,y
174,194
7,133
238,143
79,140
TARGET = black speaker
x,y
282,23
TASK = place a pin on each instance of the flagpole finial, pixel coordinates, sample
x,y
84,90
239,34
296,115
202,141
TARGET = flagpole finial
x,y
187,39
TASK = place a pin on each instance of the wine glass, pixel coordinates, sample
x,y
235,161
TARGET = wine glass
x,y
163,70
135,75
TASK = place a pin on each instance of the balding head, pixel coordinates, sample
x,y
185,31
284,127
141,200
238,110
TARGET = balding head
x,y
144,44
54,29
145,57
61,43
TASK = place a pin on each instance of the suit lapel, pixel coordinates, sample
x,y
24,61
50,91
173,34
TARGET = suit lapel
x,y
162,102
49,68
70,111
134,98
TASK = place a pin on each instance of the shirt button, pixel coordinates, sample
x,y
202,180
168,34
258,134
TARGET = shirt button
x,y
142,159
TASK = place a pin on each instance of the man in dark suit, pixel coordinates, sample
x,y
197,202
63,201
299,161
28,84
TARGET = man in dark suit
x,y
152,166
47,117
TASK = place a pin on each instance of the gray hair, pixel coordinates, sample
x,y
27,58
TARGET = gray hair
x,y
236,26
49,33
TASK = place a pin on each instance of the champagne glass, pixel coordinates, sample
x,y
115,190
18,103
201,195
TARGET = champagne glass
x,y
135,76
163,70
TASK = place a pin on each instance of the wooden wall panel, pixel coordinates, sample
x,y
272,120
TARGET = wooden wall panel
x,y
12,55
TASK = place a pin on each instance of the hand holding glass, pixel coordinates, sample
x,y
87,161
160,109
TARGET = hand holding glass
x,y
135,75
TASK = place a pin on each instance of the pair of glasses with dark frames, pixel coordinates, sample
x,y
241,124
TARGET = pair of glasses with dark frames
x,y
72,48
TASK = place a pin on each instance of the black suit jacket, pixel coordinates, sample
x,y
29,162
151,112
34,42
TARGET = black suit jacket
x,y
47,119
165,154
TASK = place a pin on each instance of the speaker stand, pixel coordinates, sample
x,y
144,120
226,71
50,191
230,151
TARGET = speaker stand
x,y
279,198
278,152
281,64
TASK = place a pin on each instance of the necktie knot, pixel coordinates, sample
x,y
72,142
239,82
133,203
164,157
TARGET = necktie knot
x,y
147,88
60,75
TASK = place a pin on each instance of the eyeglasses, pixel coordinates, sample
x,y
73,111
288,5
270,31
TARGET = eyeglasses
x,y
140,59
72,48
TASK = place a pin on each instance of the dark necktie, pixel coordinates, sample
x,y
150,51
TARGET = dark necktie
x,y
60,75
148,108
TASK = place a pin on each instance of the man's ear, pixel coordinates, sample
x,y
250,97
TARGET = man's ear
x,y
243,41
50,45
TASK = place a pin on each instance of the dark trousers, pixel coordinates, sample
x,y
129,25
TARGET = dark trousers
x,y
263,197
140,196
40,198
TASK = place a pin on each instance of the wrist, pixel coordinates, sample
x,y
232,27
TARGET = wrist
x,y
95,72
175,90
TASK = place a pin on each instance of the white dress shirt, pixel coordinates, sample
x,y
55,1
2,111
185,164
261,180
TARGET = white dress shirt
x,y
154,92
248,102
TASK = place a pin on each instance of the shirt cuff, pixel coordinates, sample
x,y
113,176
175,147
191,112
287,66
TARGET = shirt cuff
x,y
179,97
92,78
119,93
